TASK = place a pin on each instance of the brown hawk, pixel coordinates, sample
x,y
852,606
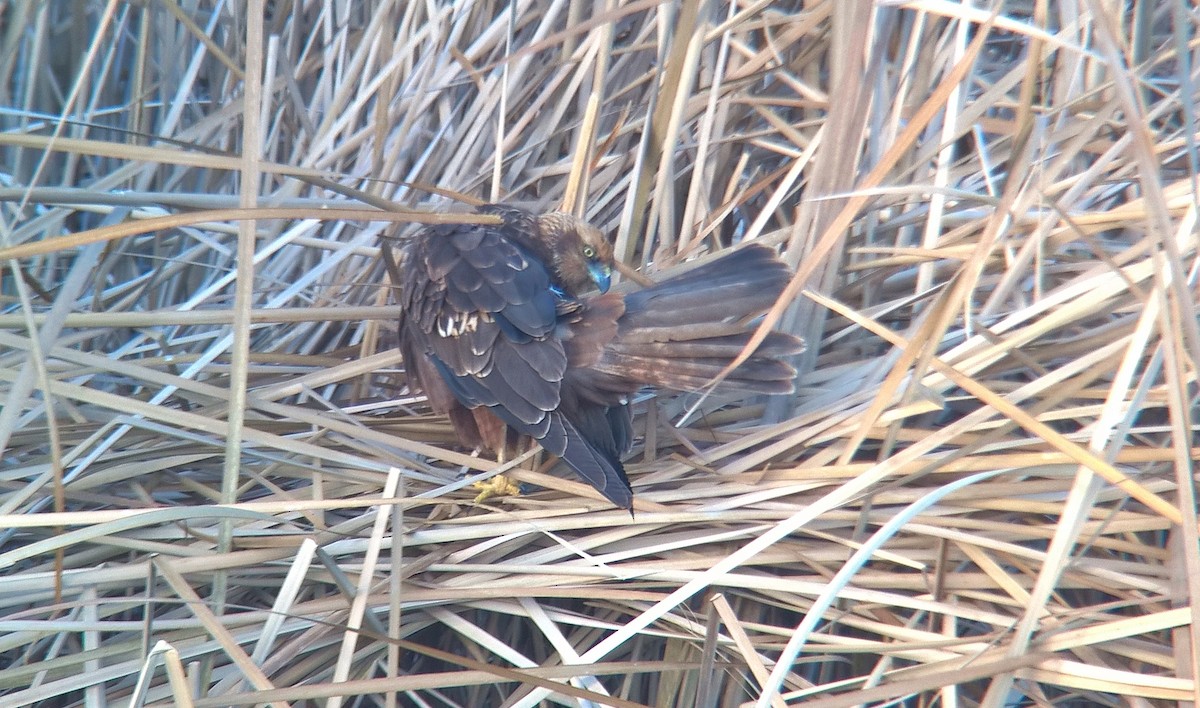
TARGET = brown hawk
x,y
500,332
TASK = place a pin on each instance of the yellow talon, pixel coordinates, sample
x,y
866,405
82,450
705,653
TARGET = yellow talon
x,y
498,486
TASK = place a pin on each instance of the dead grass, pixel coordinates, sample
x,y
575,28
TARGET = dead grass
x,y
215,489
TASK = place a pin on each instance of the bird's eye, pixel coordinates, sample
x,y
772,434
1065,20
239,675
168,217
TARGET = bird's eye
x,y
589,252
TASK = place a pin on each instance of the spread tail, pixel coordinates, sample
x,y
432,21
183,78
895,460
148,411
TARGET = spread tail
x,y
681,333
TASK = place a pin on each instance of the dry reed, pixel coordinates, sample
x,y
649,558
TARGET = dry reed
x,y
216,490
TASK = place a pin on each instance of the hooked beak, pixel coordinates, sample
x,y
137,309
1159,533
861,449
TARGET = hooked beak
x,y
601,275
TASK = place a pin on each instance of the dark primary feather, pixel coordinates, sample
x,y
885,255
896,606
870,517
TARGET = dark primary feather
x,y
498,330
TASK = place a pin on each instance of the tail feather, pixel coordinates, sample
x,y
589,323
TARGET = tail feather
x,y
634,333
730,268
776,345
683,332
720,306
727,289
757,375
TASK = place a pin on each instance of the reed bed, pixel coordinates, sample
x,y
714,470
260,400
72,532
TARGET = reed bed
x,y
216,489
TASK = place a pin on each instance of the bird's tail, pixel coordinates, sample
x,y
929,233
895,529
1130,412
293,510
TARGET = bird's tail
x,y
681,333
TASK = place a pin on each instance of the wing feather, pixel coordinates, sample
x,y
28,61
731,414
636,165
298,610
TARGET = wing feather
x,y
481,310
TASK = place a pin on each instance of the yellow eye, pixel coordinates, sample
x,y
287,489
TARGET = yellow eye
x,y
589,252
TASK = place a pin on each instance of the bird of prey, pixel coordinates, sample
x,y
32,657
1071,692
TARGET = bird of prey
x,y
502,332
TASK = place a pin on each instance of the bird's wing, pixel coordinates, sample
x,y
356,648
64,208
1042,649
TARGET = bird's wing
x,y
480,311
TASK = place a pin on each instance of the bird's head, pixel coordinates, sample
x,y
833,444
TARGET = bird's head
x,y
582,256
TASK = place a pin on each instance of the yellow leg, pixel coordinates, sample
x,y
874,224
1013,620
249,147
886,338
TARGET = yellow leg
x,y
498,486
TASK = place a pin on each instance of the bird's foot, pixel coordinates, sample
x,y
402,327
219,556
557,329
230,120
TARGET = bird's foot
x,y
498,486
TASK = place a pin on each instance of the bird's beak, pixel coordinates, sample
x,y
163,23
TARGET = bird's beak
x,y
601,275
